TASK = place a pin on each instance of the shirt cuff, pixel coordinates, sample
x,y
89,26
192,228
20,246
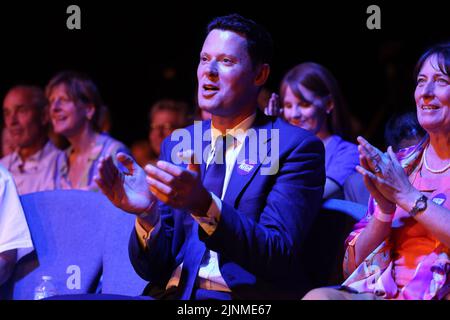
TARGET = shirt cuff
x,y
145,237
209,222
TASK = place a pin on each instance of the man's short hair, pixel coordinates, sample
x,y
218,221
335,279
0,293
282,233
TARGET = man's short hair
x,y
259,41
36,95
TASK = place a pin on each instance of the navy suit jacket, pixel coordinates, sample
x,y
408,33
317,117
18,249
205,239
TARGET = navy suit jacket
x,y
264,222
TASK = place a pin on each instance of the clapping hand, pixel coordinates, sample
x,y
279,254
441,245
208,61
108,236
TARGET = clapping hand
x,y
178,187
128,191
383,175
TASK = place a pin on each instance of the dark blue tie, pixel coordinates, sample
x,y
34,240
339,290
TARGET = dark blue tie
x,y
215,173
195,249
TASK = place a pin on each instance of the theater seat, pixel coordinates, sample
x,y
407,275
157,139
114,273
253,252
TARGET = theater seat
x,y
73,232
354,210
119,277
324,249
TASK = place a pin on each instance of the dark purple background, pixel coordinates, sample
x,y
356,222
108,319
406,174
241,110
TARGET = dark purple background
x,y
128,46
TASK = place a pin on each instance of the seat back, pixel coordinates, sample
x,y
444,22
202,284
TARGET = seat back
x,y
76,234
355,190
325,245
66,230
119,276
354,210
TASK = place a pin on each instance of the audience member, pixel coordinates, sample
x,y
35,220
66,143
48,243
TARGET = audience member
x,y
141,152
15,238
165,116
400,250
401,132
6,144
75,105
311,99
33,162
221,229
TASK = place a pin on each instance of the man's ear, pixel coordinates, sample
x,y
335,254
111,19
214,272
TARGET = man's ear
x,y
330,105
262,75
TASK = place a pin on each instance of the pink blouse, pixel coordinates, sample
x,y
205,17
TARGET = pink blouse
x,y
412,263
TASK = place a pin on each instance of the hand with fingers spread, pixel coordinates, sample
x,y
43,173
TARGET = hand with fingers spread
x,y
178,187
273,107
128,191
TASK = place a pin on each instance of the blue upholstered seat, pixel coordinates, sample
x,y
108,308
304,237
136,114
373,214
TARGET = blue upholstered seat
x,y
348,208
76,235
119,276
325,245
80,236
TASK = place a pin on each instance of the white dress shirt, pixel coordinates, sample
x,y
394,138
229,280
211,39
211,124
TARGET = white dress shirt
x,y
37,172
209,276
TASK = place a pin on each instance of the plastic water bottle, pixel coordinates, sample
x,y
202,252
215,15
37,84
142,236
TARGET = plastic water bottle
x,y
45,289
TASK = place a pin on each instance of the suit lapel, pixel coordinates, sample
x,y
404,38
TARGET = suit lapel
x,y
201,154
244,172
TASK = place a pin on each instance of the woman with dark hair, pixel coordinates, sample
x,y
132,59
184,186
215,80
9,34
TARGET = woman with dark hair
x,y
75,111
311,99
401,249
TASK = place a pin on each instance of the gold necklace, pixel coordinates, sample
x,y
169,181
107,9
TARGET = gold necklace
x,y
428,168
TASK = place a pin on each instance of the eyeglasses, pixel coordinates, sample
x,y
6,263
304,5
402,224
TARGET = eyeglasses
x,y
162,127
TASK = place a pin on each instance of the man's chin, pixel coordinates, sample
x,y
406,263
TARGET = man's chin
x,y
210,107
18,143
21,146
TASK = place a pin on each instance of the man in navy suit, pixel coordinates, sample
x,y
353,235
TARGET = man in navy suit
x,y
230,222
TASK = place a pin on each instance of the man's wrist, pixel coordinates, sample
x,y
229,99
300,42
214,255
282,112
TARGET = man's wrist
x,y
201,209
210,220
149,217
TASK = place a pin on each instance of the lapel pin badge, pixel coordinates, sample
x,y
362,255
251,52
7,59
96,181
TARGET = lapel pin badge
x,y
245,167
